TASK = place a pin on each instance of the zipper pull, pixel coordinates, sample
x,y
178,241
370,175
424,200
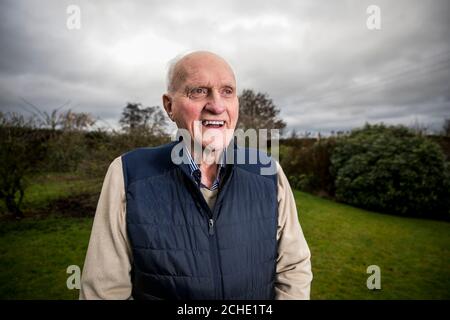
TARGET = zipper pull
x,y
211,227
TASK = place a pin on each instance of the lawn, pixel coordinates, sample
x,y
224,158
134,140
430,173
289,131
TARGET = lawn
x,y
35,253
413,254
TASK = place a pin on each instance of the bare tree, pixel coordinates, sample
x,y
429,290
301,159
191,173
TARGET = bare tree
x,y
78,121
58,119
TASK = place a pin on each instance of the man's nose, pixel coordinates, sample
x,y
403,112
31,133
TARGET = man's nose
x,y
215,103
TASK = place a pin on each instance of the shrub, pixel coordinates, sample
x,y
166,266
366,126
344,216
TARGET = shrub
x,y
306,164
391,169
103,147
65,151
22,149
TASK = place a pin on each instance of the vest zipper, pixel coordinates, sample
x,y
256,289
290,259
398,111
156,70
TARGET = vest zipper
x,y
215,246
213,243
211,227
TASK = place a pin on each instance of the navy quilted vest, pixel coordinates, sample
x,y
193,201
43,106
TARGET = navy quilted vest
x,y
184,250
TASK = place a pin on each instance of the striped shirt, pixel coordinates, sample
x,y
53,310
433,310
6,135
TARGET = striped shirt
x,y
197,175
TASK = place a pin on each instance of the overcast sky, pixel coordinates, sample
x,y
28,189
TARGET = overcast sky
x,y
317,60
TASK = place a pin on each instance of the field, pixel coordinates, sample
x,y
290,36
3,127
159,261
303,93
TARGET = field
x,y
413,254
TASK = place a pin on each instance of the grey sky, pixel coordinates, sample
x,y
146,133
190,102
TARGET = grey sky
x,y
317,59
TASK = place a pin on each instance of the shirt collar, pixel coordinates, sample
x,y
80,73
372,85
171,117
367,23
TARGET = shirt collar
x,y
196,173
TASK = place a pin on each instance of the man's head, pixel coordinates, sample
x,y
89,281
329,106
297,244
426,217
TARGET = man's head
x,y
202,91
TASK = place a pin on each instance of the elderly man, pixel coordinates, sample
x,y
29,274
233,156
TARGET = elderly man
x,y
196,229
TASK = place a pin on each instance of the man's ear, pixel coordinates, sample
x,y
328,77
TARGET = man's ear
x,y
167,103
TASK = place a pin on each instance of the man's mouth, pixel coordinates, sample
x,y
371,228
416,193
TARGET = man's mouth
x,y
213,123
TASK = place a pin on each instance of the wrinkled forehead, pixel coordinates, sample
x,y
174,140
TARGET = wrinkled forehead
x,y
213,76
206,70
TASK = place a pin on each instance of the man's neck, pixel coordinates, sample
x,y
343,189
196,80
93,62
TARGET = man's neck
x,y
208,165
209,173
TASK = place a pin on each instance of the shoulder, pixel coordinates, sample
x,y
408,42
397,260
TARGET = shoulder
x,y
256,162
285,192
144,162
148,154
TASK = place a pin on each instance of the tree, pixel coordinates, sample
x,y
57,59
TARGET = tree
x,y
257,111
67,146
66,121
75,121
294,134
446,128
22,147
137,119
392,169
306,163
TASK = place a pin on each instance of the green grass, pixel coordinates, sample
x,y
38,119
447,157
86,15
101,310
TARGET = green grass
x,y
45,188
35,254
413,254
51,189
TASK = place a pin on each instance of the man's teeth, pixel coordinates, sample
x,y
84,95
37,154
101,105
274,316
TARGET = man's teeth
x,y
213,122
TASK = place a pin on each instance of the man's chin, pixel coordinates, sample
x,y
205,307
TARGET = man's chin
x,y
214,146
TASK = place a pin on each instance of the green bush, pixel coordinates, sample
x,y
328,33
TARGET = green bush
x,y
305,182
65,151
391,169
306,163
22,150
103,147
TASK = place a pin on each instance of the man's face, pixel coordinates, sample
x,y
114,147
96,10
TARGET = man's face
x,y
204,101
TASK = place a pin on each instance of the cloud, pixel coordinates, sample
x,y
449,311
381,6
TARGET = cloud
x,y
317,60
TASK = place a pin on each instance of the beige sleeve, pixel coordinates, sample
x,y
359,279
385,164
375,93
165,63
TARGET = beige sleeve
x,y
294,276
106,272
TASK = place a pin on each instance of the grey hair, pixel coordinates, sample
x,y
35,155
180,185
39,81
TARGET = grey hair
x,y
170,77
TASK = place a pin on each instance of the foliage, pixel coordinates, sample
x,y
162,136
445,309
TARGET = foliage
x,y
75,121
22,148
60,120
139,120
257,111
26,148
75,149
105,146
67,146
65,151
306,163
391,169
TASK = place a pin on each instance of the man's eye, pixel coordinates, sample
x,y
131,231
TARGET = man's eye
x,y
227,92
198,93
